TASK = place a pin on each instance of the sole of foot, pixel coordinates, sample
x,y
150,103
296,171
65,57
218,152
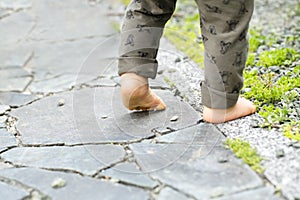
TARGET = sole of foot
x,y
242,108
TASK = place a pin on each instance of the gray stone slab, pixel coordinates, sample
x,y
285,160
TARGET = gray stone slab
x,y
3,109
102,82
6,140
3,120
77,187
14,79
195,169
85,159
202,134
94,116
22,22
16,4
284,172
129,173
59,21
256,194
11,193
58,83
15,55
168,193
15,99
80,58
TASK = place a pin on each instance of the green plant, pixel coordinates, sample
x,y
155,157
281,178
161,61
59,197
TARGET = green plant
x,y
284,56
251,59
292,130
244,151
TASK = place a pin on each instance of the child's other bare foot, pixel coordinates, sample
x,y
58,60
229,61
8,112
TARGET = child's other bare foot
x,y
136,94
242,108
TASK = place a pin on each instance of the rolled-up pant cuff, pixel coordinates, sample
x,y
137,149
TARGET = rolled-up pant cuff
x,y
212,98
145,67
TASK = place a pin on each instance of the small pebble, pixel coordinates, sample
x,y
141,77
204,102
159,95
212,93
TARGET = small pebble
x,y
160,72
61,102
58,183
296,145
275,69
217,192
104,116
174,118
172,70
177,60
247,90
223,160
280,153
163,130
254,123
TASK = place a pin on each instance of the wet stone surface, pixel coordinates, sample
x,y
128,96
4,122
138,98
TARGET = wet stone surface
x,y
129,173
193,168
15,99
14,79
10,192
77,187
168,193
91,157
80,119
6,140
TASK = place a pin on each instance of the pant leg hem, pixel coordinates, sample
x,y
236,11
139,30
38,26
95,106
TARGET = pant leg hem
x,y
145,67
215,99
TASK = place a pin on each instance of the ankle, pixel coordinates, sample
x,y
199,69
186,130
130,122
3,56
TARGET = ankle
x,y
133,78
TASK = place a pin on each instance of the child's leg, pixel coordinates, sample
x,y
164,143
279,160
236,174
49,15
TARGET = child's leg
x,y
224,25
141,31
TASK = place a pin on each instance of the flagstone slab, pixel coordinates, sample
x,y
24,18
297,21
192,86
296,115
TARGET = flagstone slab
x,y
85,159
6,140
14,79
9,192
16,99
59,20
77,187
196,169
129,173
3,109
96,115
256,194
168,193
16,4
79,58
22,21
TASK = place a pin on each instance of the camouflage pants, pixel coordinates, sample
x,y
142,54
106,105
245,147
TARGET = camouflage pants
x,y
224,26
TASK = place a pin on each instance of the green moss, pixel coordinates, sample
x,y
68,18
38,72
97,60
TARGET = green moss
x,y
274,115
292,130
125,2
116,26
169,82
251,59
184,32
255,39
244,151
284,56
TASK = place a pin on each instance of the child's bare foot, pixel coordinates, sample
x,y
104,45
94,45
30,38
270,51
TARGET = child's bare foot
x,y
242,108
136,94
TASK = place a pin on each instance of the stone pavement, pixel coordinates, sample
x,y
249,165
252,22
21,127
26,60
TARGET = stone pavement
x,y
64,133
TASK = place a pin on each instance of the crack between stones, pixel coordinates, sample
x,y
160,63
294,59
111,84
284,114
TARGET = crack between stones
x,y
69,40
24,187
243,190
13,11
